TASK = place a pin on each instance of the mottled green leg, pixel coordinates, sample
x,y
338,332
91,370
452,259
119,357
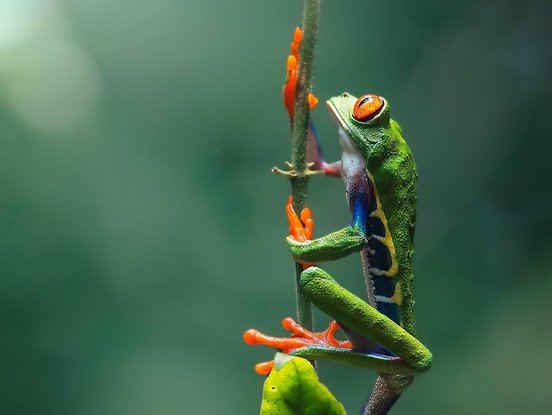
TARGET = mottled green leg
x,y
360,317
333,246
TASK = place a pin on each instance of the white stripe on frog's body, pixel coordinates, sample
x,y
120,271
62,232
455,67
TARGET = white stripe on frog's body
x,y
352,162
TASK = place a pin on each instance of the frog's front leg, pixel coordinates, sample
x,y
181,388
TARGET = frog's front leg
x,y
315,155
333,246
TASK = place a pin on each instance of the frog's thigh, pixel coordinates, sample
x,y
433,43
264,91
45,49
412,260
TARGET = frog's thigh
x,y
359,316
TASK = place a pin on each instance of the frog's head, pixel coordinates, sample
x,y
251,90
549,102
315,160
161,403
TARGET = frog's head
x,y
363,119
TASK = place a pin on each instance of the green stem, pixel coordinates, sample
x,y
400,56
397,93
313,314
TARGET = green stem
x,y
299,182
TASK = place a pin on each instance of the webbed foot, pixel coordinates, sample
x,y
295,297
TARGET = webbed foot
x,y
300,338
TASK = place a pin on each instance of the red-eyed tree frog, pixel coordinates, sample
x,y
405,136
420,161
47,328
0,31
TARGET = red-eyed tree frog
x,y
379,172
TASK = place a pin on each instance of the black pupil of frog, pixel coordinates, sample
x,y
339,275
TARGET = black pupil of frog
x,y
366,99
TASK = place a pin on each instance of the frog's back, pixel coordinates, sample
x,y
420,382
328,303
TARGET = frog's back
x,y
391,221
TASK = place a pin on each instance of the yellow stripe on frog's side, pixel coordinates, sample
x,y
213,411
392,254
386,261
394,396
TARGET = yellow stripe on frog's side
x,y
387,240
397,296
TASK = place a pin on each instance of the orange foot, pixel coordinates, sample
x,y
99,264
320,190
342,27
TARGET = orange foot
x,y
301,337
300,230
291,80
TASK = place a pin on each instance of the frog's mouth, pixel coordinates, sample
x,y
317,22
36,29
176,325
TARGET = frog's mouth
x,y
336,115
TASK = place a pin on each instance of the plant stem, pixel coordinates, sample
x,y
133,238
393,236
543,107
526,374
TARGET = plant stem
x,y
299,181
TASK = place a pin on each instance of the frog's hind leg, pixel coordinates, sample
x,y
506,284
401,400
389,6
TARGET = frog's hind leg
x,y
410,356
362,344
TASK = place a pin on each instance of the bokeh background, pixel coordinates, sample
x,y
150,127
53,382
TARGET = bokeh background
x,y
142,232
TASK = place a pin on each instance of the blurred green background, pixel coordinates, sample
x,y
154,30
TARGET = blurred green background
x,y
142,232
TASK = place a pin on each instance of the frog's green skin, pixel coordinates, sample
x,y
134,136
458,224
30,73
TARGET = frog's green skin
x,y
380,176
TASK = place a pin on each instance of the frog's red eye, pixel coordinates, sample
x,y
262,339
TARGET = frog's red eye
x,y
367,107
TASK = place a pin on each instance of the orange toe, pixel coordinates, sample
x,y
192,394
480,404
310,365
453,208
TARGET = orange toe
x,y
264,368
299,229
300,338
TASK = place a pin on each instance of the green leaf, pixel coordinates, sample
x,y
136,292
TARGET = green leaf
x,y
292,388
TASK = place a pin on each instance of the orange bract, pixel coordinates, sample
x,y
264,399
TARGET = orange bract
x,y
297,38
292,71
